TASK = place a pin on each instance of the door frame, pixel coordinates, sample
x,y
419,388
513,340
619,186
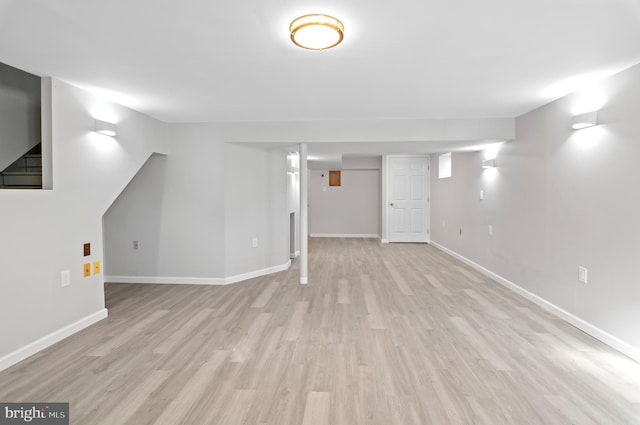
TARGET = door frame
x,y
386,217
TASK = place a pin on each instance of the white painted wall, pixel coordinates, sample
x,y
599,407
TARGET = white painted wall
x,y
43,232
175,209
350,209
559,199
255,204
19,113
361,162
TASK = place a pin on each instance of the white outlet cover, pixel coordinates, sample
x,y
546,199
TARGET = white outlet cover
x,y
254,242
583,274
481,194
490,230
65,278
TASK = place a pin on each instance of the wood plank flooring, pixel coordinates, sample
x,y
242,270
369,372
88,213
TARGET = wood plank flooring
x,y
382,334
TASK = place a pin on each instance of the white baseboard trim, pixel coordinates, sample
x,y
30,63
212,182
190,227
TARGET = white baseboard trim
x,y
155,280
343,235
29,350
612,341
258,273
166,280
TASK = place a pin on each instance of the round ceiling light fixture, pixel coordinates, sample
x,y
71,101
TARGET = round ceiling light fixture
x,y
316,32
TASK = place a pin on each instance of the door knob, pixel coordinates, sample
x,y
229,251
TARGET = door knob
x,y
391,204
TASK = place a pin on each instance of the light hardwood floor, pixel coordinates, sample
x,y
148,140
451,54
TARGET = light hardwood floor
x,y
383,334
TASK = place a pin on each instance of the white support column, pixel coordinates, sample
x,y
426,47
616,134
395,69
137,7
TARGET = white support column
x,y
304,221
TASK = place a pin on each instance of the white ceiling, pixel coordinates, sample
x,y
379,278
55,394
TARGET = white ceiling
x,y
212,60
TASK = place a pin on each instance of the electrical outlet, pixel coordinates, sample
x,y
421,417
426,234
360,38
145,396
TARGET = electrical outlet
x,y
65,278
254,242
136,245
481,194
490,230
583,274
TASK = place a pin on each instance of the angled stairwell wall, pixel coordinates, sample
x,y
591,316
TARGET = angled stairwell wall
x,y
196,212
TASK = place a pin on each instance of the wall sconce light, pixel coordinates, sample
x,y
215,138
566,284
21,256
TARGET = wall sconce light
x,y
106,128
489,163
585,120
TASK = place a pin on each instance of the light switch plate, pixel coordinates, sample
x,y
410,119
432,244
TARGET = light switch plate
x,y
96,267
87,270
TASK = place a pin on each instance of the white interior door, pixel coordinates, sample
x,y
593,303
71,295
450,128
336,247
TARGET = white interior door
x,y
408,198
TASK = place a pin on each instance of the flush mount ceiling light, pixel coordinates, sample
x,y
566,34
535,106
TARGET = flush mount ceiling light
x,y
316,32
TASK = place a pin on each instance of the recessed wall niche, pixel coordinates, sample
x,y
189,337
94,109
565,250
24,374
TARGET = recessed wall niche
x,y
20,129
